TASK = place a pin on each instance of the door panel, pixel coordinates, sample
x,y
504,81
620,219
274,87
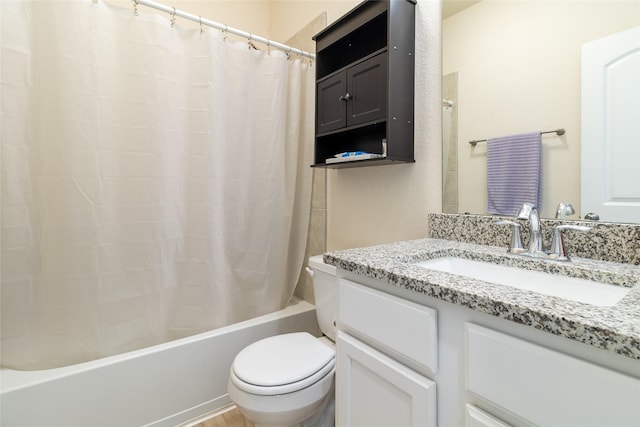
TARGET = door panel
x,y
610,127
374,390
331,110
367,85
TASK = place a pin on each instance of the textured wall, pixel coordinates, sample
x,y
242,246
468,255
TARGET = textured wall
x,y
382,204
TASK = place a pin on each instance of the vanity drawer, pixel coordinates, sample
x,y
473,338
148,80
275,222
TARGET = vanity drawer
x,y
546,387
402,329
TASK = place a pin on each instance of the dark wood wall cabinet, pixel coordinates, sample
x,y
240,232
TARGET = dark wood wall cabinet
x,y
365,86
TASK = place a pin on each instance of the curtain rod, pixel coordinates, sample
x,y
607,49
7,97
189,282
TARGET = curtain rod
x,y
202,21
557,131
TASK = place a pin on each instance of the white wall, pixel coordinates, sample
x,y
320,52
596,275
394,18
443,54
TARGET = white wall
x,y
248,15
381,204
273,19
288,16
509,84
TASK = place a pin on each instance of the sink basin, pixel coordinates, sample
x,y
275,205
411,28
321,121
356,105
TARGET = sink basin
x,y
570,288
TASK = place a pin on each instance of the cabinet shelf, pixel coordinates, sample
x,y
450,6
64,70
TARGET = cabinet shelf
x,y
365,84
371,36
360,163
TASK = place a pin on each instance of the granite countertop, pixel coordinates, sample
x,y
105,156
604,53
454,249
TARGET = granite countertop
x,y
614,328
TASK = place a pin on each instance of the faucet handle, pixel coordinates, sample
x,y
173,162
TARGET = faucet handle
x,y
558,250
516,241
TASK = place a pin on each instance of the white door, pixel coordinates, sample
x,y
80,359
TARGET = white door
x,y
611,127
373,390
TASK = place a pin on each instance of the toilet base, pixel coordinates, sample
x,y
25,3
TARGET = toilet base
x,y
323,416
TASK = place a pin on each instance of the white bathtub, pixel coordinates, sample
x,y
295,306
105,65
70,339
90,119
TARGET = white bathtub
x,y
163,385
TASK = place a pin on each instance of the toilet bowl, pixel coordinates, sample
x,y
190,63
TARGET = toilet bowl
x,y
288,379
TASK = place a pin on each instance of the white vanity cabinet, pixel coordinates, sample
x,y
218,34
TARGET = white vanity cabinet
x,y
375,390
546,387
395,345
376,386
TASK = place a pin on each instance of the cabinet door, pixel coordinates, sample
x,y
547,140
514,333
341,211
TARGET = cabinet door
x,y
367,88
374,390
545,387
331,103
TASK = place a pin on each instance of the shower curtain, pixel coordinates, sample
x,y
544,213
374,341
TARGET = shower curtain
x,y
155,180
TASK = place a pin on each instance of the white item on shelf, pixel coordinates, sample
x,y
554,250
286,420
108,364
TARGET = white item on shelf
x,y
354,157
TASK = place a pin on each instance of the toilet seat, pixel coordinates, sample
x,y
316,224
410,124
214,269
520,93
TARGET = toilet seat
x,y
282,364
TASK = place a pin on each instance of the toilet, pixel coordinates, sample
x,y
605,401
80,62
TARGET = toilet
x,y
288,380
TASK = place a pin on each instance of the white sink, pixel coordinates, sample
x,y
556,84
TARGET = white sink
x,y
570,288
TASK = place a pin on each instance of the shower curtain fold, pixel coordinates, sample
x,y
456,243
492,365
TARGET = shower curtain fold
x,y
155,181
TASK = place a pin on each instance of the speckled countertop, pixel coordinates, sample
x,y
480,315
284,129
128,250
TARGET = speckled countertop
x,y
614,328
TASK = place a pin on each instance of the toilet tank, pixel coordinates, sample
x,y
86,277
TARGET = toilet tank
x,y
325,292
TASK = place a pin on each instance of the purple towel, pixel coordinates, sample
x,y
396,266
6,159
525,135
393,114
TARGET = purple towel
x,y
514,172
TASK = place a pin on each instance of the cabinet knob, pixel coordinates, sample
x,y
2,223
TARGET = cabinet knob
x,y
345,97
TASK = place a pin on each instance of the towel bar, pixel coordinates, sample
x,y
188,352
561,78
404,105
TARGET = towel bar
x,y
560,131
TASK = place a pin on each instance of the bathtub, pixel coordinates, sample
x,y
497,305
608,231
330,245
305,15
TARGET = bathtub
x,y
164,385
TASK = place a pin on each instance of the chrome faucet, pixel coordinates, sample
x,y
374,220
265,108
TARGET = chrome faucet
x,y
530,212
535,247
564,209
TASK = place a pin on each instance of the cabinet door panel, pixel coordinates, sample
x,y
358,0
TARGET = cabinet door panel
x,y
546,387
367,86
374,390
331,110
378,317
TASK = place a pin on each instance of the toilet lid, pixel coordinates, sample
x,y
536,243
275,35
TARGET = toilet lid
x,y
282,359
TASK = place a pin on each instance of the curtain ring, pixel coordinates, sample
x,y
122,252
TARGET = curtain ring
x,y
268,47
289,53
135,7
201,28
173,17
250,44
226,33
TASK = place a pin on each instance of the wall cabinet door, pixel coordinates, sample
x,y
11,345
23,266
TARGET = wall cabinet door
x,y
354,96
367,87
374,390
331,107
